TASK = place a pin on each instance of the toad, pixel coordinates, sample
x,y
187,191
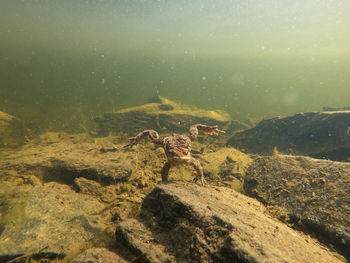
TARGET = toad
x,y
178,148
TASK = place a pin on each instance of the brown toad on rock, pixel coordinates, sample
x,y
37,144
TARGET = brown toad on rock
x,y
178,148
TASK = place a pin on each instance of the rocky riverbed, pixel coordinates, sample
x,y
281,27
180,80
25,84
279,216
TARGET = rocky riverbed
x,y
61,194
83,198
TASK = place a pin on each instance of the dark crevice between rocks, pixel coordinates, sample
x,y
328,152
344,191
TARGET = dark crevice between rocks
x,y
127,245
67,175
166,208
334,238
250,186
236,256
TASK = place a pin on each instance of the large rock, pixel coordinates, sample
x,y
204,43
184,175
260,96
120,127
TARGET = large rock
x,y
12,131
313,193
317,134
162,115
336,109
60,194
62,157
189,223
46,221
226,165
141,242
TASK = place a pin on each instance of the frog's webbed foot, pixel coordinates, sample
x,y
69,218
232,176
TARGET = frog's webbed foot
x,y
212,130
203,181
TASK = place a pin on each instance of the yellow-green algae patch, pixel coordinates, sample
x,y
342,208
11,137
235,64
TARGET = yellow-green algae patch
x,y
159,114
12,207
166,106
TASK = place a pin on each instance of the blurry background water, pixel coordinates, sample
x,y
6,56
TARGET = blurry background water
x,y
64,61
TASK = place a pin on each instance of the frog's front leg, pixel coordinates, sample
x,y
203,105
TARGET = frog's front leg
x,y
152,134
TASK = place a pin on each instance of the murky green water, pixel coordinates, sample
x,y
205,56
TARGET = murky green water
x,y
64,61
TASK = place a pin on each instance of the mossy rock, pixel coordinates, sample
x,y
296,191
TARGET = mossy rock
x,y
226,166
313,193
162,115
49,221
316,134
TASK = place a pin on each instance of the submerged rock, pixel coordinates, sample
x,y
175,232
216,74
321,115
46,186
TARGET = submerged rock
x,y
162,115
141,242
46,221
317,134
315,194
59,194
226,166
12,131
188,223
336,109
62,158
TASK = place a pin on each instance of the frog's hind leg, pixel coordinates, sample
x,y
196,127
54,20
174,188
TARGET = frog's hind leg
x,y
165,172
197,166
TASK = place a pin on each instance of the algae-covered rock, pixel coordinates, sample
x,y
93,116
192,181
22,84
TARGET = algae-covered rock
x,y
12,131
48,221
314,193
226,166
62,157
162,115
141,242
118,178
317,134
189,223
60,194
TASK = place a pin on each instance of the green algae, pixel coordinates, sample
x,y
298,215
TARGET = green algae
x,y
12,208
